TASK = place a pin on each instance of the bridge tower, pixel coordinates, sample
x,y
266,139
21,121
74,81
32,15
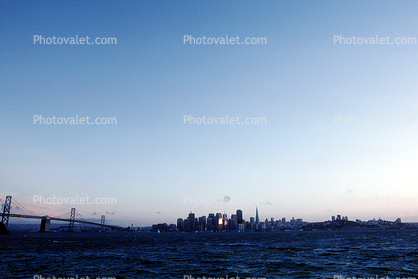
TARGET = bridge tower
x,y
72,218
6,211
45,224
102,222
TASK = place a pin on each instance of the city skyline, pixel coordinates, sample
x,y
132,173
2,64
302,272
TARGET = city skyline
x,y
217,222
213,220
18,207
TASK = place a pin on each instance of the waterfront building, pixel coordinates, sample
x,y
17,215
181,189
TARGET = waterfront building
x,y
218,222
234,220
209,224
239,216
186,225
192,221
180,224
202,223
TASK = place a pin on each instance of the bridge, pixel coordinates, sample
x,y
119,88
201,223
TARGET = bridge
x,y
46,220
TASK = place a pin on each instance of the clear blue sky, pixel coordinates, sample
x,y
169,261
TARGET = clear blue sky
x,y
300,164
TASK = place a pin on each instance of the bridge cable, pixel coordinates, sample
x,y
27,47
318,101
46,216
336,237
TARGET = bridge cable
x,y
22,207
63,215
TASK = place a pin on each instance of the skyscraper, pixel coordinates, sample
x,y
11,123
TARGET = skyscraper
x,y
186,224
239,216
180,224
192,221
234,218
202,223
212,216
225,221
257,220
218,222
231,224
209,224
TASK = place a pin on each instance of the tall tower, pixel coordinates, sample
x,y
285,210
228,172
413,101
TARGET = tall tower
x,y
180,224
239,216
218,222
257,220
192,221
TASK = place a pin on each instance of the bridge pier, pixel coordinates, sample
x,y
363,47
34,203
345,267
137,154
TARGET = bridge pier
x,y
45,224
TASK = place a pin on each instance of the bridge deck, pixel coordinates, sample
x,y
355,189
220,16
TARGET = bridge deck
x,y
59,219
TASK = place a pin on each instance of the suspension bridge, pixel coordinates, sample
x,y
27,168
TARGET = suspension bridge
x,y
46,220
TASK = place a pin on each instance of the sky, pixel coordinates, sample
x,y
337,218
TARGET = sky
x,y
307,158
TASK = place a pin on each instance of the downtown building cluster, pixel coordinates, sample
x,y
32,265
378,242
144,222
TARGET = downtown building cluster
x,y
220,222
213,222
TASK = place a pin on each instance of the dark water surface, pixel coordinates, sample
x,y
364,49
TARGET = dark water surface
x,y
320,254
